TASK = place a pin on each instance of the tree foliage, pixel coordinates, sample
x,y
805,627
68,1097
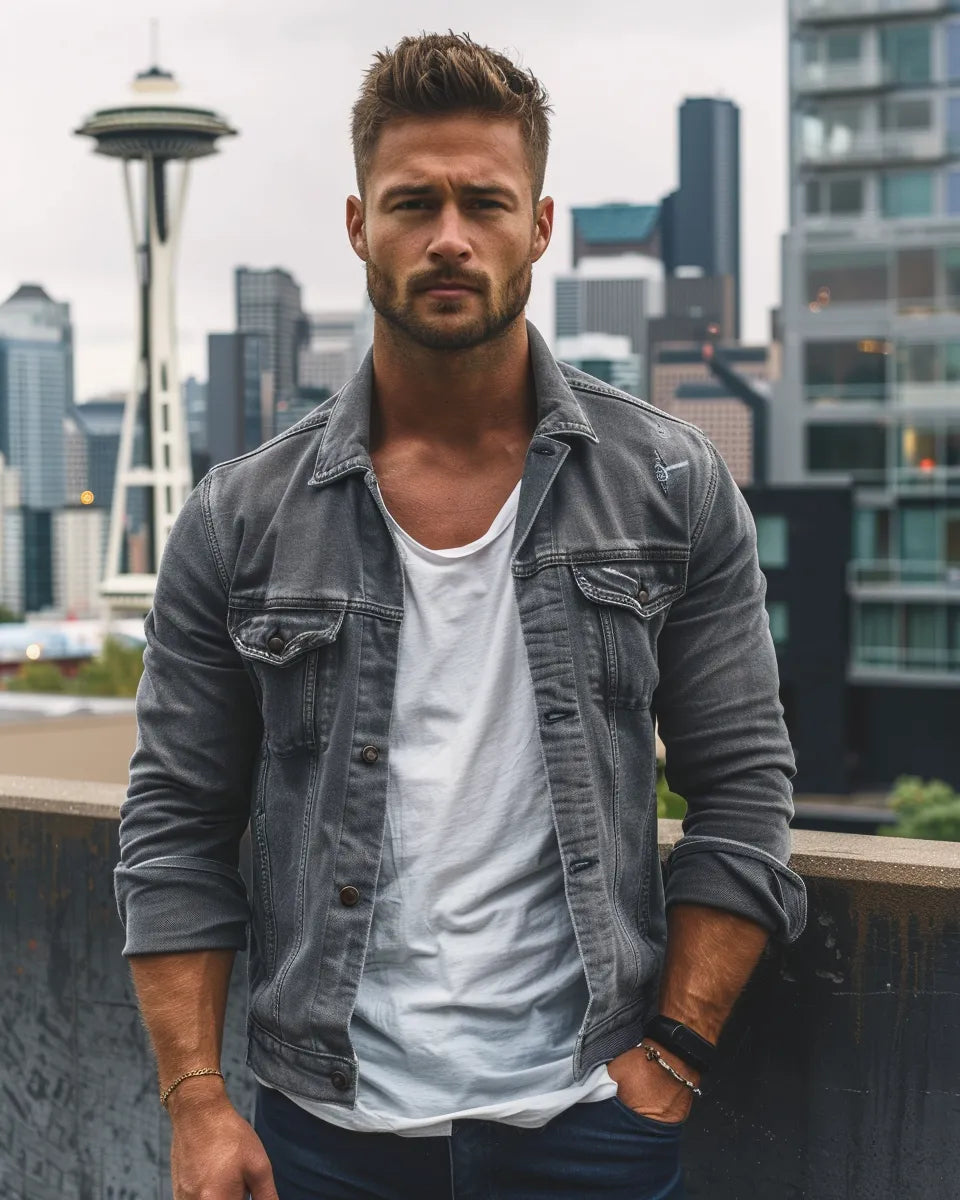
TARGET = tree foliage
x,y
669,804
8,616
925,809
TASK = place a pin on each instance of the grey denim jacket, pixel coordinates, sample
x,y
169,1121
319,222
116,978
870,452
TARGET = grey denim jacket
x,y
268,687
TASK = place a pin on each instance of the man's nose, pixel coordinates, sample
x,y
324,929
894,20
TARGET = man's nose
x,y
449,240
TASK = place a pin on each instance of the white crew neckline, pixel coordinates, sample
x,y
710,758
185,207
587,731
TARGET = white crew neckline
x,y
500,523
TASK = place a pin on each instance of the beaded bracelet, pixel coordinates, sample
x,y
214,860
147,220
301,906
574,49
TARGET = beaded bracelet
x,y
164,1096
654,1055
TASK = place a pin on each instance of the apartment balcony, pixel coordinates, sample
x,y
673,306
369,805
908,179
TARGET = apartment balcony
x,y
893,148
828,12
836,1076
862,75
903,579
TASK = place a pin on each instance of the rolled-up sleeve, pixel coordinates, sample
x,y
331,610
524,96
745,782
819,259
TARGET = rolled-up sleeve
x,y
177,884
720,718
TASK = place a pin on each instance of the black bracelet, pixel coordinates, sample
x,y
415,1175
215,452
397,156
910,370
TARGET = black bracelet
x,y
681,1040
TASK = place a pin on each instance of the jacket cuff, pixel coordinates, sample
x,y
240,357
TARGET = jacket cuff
x,y
176,904
722,873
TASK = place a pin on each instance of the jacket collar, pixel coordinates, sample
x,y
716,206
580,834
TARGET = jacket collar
x,y
345,441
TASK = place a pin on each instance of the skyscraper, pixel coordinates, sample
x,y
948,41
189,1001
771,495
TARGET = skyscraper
x,y
36,393
701,220
871,361
240,410
269,302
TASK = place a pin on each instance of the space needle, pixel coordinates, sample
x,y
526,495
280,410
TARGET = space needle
x,y
156,137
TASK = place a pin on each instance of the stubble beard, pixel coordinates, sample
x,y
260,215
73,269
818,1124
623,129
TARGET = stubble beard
x,y
490,324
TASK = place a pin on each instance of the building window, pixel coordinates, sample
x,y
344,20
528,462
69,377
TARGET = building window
x,y
926,635
847,449
846,370
772,541
917,363
843,47
858,277
906,194
953,51
903,115
916,277
845,197
779,615
876,635
871,534
906,51
953,193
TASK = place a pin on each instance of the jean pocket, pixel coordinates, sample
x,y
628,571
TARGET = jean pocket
x,y
648,1124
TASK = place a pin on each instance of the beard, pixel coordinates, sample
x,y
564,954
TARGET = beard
x,y
497,315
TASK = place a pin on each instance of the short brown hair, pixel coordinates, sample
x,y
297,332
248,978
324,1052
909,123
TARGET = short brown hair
x,y
440,73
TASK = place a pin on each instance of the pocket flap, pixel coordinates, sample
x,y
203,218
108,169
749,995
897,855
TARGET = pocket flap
x,y
644,586
281,635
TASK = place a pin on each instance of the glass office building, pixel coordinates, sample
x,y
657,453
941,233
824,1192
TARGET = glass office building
x,y
871,314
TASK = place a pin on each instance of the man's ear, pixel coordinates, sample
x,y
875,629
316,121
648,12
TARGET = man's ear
x,y
543,229
356,230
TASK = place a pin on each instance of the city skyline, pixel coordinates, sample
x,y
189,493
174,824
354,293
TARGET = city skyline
x,y
62,217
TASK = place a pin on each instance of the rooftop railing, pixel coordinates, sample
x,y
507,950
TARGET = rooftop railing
x,y
836,1076
811,10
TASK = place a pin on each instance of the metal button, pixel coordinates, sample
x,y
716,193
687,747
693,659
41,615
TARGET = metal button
x,y
349,895
340,1081
369,754
643,595
276,644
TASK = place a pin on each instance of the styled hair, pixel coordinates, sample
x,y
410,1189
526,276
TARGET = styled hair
x,y
440,73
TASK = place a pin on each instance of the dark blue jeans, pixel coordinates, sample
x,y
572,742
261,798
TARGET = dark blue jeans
x,y
598,1150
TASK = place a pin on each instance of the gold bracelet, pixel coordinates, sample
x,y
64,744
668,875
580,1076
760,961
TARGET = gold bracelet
x,y
164,1096
653,1055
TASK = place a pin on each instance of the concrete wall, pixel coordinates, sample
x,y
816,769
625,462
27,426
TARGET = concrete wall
x,y
839,1076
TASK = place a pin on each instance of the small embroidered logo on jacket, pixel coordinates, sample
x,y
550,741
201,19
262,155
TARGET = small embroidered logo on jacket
x,y
663,472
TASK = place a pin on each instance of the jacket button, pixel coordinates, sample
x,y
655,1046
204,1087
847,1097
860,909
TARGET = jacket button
x,y
275,645
349,895
340,1081
643,595
369,754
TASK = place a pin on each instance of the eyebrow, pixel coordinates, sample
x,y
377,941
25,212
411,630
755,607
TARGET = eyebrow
x,y
413,190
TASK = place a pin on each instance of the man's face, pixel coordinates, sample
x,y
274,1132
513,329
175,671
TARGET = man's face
x,y
448,228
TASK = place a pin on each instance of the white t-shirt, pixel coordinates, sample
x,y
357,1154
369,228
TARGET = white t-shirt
x,y
472,991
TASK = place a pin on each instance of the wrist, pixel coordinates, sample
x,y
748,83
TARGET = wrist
x,y
196,1094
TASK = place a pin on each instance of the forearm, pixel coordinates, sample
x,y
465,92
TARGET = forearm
x,y
710,956
183,1001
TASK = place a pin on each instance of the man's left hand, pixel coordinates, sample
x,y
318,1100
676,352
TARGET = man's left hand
x,y
648,1089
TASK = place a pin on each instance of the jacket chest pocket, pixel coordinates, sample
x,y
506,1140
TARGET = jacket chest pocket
x,y
628,605
291,653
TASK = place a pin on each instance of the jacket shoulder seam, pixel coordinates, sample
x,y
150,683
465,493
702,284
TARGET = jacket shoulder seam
x,y
709,497
211,533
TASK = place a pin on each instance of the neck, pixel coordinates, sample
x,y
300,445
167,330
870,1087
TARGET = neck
x,y
452,396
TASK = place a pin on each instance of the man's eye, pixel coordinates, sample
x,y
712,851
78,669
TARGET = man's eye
x,y
411,204
483,203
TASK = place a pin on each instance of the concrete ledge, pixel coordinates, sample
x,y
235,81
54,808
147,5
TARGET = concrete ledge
x,y
844,856
66,797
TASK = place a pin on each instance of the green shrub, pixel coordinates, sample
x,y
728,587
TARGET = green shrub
x,y
8,616
115,671
669,804
38,677
925,810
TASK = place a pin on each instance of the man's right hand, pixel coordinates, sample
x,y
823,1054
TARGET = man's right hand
x,y
215,1154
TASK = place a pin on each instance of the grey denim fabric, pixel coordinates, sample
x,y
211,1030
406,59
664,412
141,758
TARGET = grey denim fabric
x,y
268,687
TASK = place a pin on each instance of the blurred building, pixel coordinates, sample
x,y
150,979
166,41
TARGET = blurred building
x,y
195,406
79,548
101,420
700,221
241,413
11,539
871,358
269,302
612,296
605,356
613,230
332,350
36,393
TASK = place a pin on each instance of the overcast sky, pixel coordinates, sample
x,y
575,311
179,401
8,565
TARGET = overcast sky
x,y
285,73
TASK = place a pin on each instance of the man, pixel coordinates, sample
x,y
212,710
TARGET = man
x,y
419,642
